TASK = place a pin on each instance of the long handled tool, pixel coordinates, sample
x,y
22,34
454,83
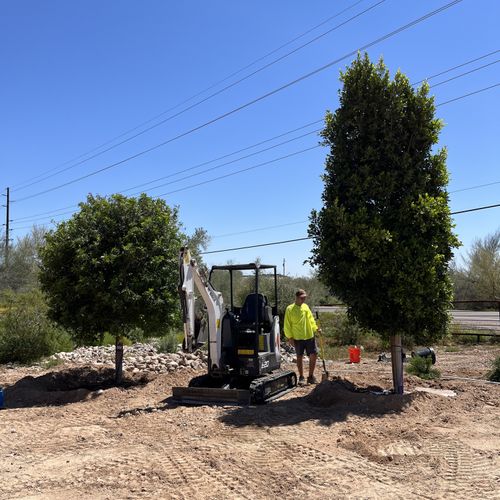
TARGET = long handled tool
x,y
325,374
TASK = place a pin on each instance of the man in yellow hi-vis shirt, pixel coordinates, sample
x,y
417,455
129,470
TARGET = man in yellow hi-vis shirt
x,y
300,328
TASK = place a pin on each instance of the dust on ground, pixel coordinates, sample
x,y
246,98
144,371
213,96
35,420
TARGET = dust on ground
x,y
335,440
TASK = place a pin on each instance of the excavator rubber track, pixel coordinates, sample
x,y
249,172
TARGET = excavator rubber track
x,y
261,390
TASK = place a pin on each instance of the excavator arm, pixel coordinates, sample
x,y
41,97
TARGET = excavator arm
x,y
189,279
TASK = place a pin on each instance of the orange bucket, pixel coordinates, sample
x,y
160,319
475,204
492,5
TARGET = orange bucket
x,y
354,354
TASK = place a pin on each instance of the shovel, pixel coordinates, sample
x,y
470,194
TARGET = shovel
x,y
324,375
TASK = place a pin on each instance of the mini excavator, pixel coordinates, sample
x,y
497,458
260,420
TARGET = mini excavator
x,y
243,342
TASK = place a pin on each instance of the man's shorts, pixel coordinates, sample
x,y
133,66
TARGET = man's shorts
x,y
308,345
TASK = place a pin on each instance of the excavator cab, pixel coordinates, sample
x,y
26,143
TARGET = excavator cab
x,y
250,332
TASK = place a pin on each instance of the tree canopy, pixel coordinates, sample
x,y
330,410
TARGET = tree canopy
x,y
479,276
20,273
112,267
383,238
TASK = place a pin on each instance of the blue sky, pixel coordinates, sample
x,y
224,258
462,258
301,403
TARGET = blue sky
x,y
76,75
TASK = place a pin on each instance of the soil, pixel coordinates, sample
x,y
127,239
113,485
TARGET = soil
x,y
68,432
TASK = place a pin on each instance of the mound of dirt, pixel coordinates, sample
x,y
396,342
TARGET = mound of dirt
x,y
341,392
67,386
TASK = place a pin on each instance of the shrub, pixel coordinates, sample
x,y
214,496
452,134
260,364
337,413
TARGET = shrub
x,y
26,334
494,374
422,367
338,329
169,342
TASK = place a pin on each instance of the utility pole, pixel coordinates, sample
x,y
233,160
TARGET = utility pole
x,y
283,267
7,227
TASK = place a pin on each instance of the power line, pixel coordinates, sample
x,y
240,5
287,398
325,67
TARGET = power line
x,y
475,209
276,226
275,137
274,160
474,187
466,73
224,156
271,161
268,162
50,212
458,66
220,91
252,102
228,162
468,95
255,246
310,238
246,148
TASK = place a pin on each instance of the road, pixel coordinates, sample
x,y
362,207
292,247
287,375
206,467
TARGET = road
x,y
481,320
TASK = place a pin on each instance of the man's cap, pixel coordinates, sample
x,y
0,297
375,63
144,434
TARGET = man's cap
x,y
300,293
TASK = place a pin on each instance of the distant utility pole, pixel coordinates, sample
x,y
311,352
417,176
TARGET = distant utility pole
x,y
283,267
7,227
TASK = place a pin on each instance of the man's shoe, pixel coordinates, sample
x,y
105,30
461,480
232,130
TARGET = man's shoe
x,y
312,380
302,381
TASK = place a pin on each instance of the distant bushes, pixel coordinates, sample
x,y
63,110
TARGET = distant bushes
x,y
494,374
26,334
339,330
169,342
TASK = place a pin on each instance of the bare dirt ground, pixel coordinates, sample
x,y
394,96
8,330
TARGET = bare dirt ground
x,y
316,442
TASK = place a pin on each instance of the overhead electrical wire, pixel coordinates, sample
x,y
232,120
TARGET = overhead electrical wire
x,y
228,162
468,95
464,74
271,161
250,103
272,138
246,148
220,91
476,209
274,160
475,187
484,56
309,238
276,226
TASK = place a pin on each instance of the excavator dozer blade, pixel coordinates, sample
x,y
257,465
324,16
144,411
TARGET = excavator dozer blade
x,y
261,390
204,395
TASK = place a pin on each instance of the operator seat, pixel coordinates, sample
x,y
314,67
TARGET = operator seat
x,y
253,303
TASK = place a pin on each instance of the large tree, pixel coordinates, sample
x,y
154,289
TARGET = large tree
x,y
113,267
383,239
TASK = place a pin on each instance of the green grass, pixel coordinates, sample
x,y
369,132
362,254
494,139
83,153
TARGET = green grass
x,y
422,367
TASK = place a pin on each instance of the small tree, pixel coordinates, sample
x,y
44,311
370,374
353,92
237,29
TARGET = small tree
x,y
21,271
113,268
483,265
383,239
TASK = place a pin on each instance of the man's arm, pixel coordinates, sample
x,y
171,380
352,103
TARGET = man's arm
x,y
287,328
312,321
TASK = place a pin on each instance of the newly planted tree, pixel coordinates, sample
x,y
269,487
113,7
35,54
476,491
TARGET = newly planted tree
x,y
112,268
383,239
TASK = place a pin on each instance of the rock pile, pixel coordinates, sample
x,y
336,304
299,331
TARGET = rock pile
x,y
136,358
145,357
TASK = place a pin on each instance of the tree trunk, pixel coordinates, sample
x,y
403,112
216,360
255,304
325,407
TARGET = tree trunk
x,y
397,364
118,360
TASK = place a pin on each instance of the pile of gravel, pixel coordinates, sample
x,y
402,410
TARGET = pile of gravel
x,y
145,357
137,357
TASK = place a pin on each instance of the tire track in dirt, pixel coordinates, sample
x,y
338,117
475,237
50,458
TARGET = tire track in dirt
x,y
467,473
